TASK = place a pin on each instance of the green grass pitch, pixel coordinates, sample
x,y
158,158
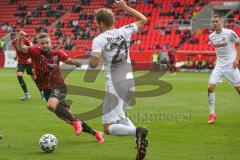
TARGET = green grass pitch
x,y
180,133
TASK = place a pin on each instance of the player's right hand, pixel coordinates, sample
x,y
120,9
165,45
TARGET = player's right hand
x,y
22,34
120,4
235,63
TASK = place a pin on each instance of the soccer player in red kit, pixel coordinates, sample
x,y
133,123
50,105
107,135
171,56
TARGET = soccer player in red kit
x,y
24,63
46,65
172,60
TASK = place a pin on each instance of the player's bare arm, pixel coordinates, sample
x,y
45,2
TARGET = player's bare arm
x,y
75,62
236,61
142,20
95,60
20,45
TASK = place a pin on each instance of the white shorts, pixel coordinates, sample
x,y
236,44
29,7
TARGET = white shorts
x,y
231,74
116,99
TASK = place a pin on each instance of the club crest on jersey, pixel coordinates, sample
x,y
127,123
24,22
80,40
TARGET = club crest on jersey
x,y
55,58
52,65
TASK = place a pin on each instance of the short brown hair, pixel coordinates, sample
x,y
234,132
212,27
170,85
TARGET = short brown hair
x,y
43,35
105,16
217,16
18,30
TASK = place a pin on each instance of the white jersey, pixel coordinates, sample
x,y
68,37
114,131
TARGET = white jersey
x,y
114,48
224,46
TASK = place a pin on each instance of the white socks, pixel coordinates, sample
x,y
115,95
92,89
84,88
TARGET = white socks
x,y
127,122
124,128
211,102
121,130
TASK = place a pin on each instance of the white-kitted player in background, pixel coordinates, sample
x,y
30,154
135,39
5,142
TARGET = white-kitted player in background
x,y
228,57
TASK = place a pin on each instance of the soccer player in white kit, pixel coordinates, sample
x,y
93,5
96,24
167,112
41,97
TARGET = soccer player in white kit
x,y
224,41
112,48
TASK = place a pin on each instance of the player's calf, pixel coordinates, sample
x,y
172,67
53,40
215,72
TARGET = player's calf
x,y
24,87
238,89
63,113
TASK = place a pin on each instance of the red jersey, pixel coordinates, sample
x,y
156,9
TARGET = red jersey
x,y
22,58
172,56
46,66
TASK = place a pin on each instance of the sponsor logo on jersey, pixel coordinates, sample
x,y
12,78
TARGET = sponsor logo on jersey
x,y
115,39
52,65
219,45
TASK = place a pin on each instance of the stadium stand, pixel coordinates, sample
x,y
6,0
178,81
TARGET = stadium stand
x,y
83,17
70,24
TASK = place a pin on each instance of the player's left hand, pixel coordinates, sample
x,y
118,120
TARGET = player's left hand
x,y
235,63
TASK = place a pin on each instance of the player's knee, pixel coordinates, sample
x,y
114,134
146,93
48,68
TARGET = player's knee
x,y
51,106
211,88
19,74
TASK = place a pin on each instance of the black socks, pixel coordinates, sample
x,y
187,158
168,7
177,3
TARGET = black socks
x,y
22,84
87,129
63,113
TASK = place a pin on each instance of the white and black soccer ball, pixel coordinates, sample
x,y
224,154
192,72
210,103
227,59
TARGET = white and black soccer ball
x,y
48,143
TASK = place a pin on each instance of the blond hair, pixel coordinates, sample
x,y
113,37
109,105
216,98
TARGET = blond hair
x,y
43,35
105,16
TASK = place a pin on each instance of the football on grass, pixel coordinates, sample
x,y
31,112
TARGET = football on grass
x,y
48,143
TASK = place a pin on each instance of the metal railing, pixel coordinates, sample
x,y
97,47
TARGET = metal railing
x,y
172,23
